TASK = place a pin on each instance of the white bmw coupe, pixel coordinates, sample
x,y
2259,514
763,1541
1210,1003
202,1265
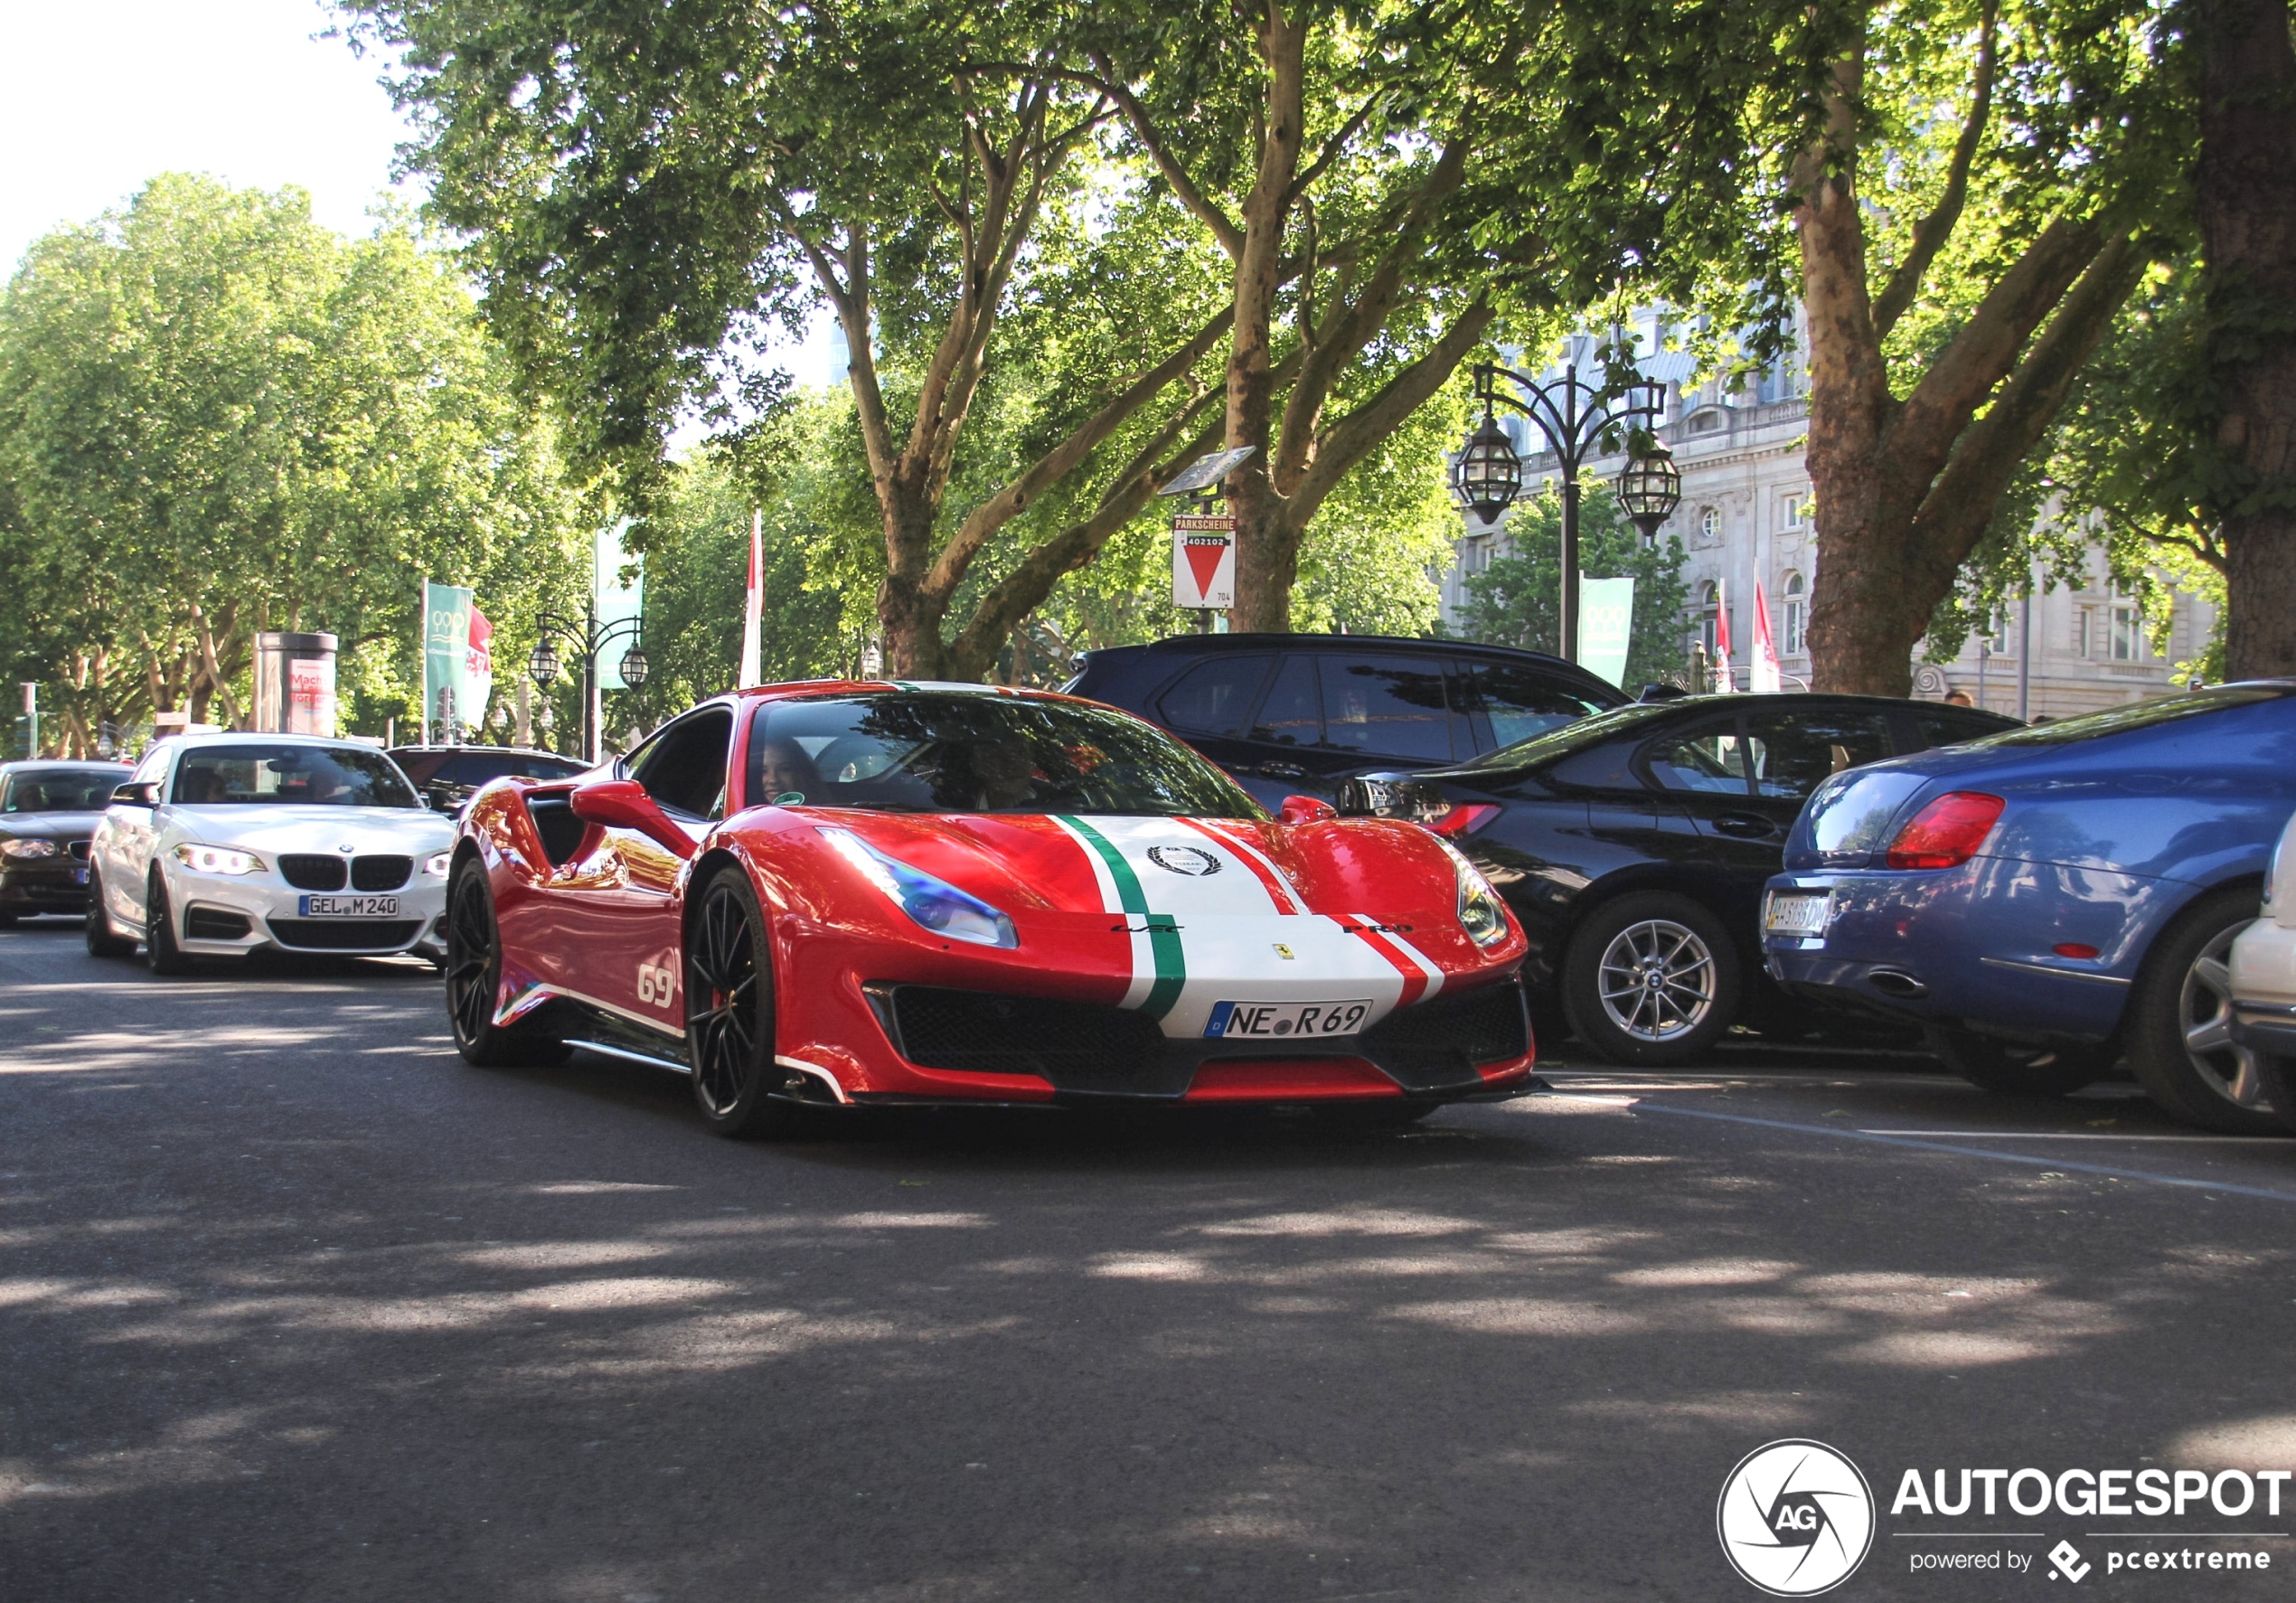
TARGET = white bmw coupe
x,y
219,845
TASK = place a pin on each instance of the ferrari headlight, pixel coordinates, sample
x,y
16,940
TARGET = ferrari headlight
x,y
19,851
1481,913
217,860
435,866
935,903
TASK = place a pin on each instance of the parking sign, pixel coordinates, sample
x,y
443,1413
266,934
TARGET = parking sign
x,y
1203,561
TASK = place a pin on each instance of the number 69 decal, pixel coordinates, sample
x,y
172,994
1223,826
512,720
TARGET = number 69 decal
x,y
657,987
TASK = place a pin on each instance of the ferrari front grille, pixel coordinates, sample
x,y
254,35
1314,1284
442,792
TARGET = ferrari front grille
x,y
986,1033
311,871
1485,1025
380,874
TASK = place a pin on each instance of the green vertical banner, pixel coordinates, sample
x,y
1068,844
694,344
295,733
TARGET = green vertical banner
x,y
446,651
1605,626
616,603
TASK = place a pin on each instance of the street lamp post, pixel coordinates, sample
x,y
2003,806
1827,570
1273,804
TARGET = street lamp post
x,y
1577,418
589,641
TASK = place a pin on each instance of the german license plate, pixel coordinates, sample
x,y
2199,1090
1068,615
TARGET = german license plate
x,y
347,906
1797,912
1271,1020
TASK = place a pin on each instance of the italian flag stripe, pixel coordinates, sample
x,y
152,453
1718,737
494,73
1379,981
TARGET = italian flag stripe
x,y
1163,936
1271,878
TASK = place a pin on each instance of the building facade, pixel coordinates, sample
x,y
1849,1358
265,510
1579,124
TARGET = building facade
x,y
1744,520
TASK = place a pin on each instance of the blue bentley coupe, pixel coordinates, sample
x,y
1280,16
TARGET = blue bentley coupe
x,y
2047,900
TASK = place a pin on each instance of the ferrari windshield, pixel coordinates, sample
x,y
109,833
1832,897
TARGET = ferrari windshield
x,y
258,774
957,751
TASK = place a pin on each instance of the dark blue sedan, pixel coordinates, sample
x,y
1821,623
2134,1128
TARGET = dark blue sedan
x,y
2045,900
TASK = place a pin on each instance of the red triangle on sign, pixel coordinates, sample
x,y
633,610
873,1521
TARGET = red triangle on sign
x,y
1203,561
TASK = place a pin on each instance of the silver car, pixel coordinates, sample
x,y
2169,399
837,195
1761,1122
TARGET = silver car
x,y
219,845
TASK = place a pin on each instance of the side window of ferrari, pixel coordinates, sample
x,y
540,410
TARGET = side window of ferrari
x,y
683,767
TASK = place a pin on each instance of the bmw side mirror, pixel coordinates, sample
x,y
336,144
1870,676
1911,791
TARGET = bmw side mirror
x,y
135,794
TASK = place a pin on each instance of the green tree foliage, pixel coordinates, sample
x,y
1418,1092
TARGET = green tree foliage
x,y
1516,599
217,418
696,541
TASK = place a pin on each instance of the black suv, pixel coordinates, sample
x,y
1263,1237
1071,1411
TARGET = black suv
x,y
1298,714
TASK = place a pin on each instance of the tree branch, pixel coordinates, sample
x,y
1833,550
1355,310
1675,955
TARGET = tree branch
x,y
1350,439
1023,589
1331,149
1959,379
949,567
1230,237
1931,231
1960,504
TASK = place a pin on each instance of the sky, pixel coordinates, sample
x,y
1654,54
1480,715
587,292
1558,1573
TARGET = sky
x,y
97,96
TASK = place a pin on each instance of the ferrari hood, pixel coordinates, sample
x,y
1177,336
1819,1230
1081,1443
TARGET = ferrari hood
x,y
1206,914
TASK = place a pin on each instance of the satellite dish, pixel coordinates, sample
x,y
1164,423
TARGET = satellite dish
x,y
1205,472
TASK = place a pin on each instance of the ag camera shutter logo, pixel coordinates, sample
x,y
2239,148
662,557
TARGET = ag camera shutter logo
x,y
1796,1518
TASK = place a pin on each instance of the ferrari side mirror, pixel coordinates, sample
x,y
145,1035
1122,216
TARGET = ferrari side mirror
x,y
623,804
1306,809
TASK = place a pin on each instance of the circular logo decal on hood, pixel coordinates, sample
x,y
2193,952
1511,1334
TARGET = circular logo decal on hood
x,y
1184,859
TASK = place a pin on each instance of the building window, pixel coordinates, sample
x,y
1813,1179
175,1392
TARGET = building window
x,y
2084,628
1793,510
2128,626
1710,608
1797,617
1710,526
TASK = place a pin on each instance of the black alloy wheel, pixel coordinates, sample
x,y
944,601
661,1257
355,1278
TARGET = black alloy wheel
x,y
161,953
473,971
102,941
729,1012
2179,1036
2007,1070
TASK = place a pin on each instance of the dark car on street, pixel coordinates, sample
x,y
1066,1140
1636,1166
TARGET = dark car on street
x,y
1299,714
1634,845
48,814
2049,901
448,776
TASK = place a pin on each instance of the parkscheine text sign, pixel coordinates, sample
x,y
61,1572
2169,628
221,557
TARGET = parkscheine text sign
x,y
1203,561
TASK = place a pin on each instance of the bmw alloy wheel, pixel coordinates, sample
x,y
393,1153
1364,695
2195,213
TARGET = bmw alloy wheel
x,y
2204,1012
1657,980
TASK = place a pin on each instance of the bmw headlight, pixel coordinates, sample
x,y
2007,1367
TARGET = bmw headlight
x,y
1481,913
935,903
20,851
217,860
436,864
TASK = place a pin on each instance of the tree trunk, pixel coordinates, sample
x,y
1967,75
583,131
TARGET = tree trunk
x,y
1267,550
2247,205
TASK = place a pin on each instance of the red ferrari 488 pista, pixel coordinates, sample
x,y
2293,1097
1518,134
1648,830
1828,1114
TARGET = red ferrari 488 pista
x,y
845,893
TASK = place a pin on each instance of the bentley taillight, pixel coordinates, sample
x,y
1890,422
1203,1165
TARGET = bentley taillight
x,y
1947,832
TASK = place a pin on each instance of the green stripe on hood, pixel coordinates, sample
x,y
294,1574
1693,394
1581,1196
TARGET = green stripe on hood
x,y
1163,935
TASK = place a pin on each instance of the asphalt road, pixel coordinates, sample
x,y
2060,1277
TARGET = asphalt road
x,y
294,1305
